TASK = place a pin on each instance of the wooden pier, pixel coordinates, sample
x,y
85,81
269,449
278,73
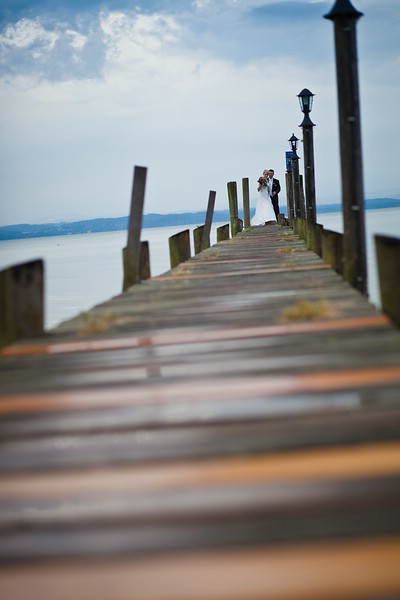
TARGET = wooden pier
x,y
228,430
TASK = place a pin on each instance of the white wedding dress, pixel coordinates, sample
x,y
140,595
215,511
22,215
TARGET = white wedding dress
x,y
264,210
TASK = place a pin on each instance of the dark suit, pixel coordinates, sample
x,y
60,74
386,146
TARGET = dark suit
x,y
275,199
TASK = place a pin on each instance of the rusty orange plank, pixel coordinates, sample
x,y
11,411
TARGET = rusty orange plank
x,y
355,569
184,271
187,337
372,459
196,389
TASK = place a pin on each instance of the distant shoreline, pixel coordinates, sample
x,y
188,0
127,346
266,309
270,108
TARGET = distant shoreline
x,y
25,231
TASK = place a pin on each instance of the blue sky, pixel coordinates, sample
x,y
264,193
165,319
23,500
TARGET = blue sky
x,y
201,92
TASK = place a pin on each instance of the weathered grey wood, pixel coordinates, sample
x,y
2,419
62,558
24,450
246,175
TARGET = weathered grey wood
x,y
301,228
309,175
314,233
332,249
145,271
221,517
144,265
246,202
179,248
388,259
198,238
233,206
344,17
204,418
302,198
296,189
237,226
223,233
289,197
205,242
131,253
21,301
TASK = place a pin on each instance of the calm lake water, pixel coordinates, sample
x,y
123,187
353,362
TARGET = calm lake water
x,y
84,270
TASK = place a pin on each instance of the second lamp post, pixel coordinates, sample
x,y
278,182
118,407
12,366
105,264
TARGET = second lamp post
x,y
306,99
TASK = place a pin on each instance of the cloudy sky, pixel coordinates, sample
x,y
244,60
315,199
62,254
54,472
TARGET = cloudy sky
x,y
200,92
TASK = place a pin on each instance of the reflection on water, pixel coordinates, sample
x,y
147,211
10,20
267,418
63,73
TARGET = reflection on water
x,y
84,270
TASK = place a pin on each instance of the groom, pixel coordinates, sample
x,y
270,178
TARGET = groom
x,y
276,188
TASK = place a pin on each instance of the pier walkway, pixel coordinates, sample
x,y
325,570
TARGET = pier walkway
x,y
228,430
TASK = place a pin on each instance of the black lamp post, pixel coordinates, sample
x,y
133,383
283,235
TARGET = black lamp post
x,y
306,100
293,141
345,17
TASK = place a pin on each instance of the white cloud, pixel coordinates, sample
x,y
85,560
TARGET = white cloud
x,y
78,41
194,118
26,33
141,37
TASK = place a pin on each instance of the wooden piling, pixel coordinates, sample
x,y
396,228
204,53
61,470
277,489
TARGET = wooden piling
x,y
314,233
296,188
197,238
332,249
309,175
223,233
179,248
233,205
205,241
131,253
301,228
302,198
21,302
145,272
237,226
289,197
388,259
246,202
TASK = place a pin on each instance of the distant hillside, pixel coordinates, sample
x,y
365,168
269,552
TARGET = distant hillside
x,y
24,230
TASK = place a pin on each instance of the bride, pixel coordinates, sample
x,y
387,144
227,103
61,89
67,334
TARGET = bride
x,y
264,210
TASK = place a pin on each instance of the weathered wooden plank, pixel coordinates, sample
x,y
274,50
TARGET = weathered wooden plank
x,y
187,337
200,419
198,389
351,462
357,569
184,519
160,444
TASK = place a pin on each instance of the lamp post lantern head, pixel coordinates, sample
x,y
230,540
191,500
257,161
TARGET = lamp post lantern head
x,y
293,143
343,9
306,100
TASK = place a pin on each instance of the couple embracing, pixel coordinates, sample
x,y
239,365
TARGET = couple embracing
x,y
268,202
